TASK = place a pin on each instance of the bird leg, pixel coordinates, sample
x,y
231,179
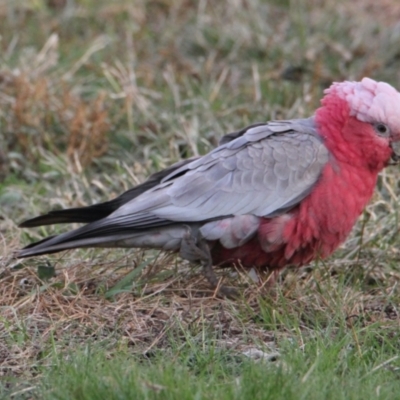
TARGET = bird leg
x,y
193,251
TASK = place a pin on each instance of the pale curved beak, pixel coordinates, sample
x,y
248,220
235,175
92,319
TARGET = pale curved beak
x,y
395,146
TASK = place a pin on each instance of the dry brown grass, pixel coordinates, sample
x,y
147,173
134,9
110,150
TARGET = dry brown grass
x,y
36,104
167,298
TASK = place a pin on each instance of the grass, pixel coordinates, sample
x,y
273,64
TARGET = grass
x,y
206,365
94,96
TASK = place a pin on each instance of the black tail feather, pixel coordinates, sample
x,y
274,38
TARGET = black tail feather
x,y
80,215
102,210
39,242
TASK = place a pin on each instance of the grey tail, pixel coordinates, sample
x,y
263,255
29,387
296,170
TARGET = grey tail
x,y
86,236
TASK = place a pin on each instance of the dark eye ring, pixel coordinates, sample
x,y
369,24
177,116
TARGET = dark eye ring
x,y
382,129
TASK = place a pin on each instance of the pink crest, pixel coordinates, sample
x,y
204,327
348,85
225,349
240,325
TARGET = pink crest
x,y
370,101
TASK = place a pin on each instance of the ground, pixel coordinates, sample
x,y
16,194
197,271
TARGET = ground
x,y
96,95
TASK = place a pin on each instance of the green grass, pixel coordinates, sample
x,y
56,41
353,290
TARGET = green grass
x,y
350,364
203,373
94,96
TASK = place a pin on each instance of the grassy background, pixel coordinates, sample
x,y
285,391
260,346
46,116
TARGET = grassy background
x,y
94,96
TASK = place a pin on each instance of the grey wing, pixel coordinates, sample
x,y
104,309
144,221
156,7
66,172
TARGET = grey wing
x,y
265,171
101,210
262,173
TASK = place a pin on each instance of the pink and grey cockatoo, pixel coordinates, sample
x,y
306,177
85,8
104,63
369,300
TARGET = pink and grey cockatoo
x,y
271,195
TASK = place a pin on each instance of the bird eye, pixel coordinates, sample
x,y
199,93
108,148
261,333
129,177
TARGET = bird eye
x,y
381,129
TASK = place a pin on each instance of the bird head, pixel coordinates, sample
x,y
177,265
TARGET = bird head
x,y
368,113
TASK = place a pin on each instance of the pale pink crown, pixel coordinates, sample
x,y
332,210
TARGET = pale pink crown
x,y
370,101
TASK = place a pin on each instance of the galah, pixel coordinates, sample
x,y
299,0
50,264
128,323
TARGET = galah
x,y
271,195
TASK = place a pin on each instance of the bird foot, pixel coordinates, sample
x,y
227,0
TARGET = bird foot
x,y
200,252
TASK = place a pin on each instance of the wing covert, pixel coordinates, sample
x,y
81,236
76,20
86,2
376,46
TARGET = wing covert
x,y
265,171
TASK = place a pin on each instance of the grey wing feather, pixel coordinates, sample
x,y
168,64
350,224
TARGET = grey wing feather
x,y
273,168
234,135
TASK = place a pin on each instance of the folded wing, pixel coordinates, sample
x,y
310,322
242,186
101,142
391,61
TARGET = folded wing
x,y
263,171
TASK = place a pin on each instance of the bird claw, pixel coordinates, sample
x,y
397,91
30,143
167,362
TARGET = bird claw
x,y
220,289
228,292
193,251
